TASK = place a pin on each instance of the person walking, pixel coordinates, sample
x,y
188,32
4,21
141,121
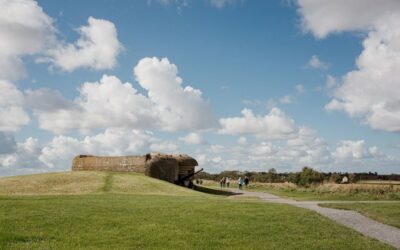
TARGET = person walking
x,y
240,182
246,181
228,181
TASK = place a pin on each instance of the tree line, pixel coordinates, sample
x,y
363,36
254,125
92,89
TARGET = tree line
x,y
306,177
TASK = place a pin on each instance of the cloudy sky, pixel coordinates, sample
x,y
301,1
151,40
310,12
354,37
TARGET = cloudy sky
x,y
238,84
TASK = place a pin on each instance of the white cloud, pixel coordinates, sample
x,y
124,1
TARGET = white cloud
x,y
179,108
97,48
103,104
12,114
371,92
275,125
21,21
26,30
193,139
286,155
110,103
322,17
316,63
348,149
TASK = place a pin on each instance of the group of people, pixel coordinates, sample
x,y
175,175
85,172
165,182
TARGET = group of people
x,y
225,182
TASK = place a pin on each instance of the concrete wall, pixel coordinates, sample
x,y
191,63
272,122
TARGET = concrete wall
x,y
162,166
109,163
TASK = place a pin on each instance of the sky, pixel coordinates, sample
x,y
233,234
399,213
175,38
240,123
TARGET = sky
x,y
237,84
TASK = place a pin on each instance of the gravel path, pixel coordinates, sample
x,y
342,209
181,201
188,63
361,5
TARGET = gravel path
x,y
351,219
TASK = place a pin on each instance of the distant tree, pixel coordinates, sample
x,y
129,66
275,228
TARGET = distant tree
x,y
335,177
293,177
352,178
309,176
272,175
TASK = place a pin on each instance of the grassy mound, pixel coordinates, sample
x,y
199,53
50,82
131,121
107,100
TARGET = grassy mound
x,y
87,182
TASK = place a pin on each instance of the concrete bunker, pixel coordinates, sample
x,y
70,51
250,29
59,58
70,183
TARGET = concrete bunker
x,y
174,168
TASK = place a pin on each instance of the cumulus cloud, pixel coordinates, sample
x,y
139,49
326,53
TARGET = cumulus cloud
x,y
275,125
348,149
109,103
12,114
97,48
305,148
21,21
316,63
324,17
179,108
103,104
24,20
371,92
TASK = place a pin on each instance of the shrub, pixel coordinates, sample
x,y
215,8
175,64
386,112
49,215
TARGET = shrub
x,y
309,176
335,177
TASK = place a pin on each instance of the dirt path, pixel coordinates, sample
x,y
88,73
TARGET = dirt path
x,y
351,219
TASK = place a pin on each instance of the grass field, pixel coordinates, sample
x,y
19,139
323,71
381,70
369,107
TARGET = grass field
x,y
92,210
380,182
326,192
388,213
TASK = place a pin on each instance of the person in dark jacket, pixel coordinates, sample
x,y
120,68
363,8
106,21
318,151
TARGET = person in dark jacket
x,y
246,181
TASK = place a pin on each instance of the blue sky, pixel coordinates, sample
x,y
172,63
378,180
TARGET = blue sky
x,y
280,84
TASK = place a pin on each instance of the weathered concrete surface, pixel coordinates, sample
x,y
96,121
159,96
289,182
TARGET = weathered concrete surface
x,y
364,225
109,163
168,167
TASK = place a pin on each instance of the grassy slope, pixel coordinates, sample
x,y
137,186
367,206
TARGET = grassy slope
x,y
87,183
134,211
388,213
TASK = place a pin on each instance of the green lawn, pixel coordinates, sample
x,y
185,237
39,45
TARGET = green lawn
x,y
388,213
121,211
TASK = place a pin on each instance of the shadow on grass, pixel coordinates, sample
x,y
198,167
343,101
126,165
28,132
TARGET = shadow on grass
x,y
213,191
